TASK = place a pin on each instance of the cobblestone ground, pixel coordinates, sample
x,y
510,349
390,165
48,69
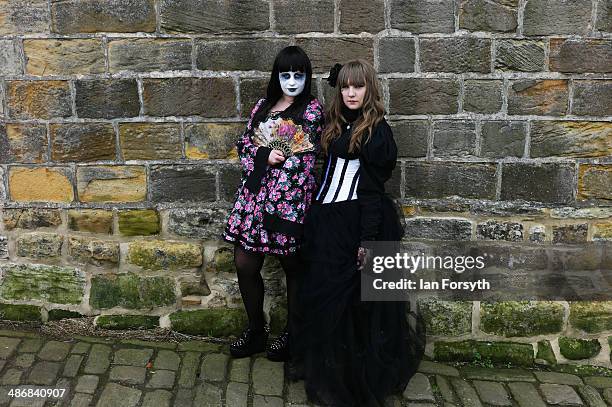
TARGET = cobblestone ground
x,y
124,373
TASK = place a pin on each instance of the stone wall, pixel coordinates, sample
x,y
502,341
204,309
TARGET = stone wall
x,y
117,158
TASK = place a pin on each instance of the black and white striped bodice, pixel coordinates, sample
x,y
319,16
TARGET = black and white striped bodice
x,y
339,181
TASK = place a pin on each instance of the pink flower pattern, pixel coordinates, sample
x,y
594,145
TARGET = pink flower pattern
x,y
285,191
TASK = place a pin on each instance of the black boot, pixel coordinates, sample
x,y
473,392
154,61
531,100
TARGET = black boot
x,y
278,351
249,343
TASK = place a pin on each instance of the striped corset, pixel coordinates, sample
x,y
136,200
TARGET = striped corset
x,y
340,180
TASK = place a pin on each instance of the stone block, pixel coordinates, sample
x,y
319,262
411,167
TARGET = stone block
x,y
23,143
150,141
38,99
83,56
111,183
149,55
107,98
82,142
164,254
423,96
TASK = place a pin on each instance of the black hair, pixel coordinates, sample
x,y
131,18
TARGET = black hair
x,y
292,58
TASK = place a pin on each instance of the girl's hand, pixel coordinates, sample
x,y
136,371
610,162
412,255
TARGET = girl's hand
x,y
275,157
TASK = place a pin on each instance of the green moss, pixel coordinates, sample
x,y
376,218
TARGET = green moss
x,y
18,312
131,291
194,288
521,318
216,322
484,352
139,222
447,318
57,314
163,255
583,370
545,353
591,317
576,349
127,321
222,261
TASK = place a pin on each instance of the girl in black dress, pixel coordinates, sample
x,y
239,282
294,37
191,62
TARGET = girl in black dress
x,y
349,352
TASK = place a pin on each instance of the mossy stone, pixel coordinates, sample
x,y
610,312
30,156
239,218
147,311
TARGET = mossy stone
x,y
216,322
520,354
19,312
194,288
545,355
127,321
278,318
591,317
583,370
521,318
576,349
447,318
57,314
139,222
222,261
131,291
164,255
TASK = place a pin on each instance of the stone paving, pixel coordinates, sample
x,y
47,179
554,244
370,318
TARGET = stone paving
x,y
126,373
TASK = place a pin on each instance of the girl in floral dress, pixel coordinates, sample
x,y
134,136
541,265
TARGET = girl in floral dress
x,y
274,195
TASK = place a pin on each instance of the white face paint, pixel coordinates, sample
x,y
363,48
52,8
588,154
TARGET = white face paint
x,y
292,83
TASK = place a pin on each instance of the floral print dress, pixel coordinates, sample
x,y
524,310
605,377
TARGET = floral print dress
x,y
271,201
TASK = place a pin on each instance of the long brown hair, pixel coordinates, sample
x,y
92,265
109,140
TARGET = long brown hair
x,y
358,72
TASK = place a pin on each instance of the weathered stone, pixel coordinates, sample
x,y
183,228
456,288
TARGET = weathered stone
x,y
214,367
591,98
20,17
93,251
58,314
324,52
38,99
581,213
3,193
150,141
139,222
481,15
230,179
495,230
410,137
116,395
237,394
149,54
519,55
183,183
111,183
31,218
608,395
560,394
540,97
44,373
521,318
513,257
445,179
239,371
470,350
158,398
545,182
423,96
466,393
604,16
419,389
591,396
210,322
545,354
482,96
251,90
40,184
438,229
557,17
10,59
55,284
602,231
8,346
208,394
571,139
98,359
558,378
526,395
4,254
455,54
54,351
204,223
570,234
213,17
595,182
161,379
81,142
90,220
267,377
212,140
164,254
454,138
87,384
24,361
581,55
132,357
187,376
447,318
131,291
498,374
64,56
576,349
39,245
207,97
429,16
167,360
107,98
361,15
23,143
430,368
492,393
599,382
305,16
502,139
76,16
222,261
396,54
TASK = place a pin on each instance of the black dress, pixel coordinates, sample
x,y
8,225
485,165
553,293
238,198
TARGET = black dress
x,y
349,352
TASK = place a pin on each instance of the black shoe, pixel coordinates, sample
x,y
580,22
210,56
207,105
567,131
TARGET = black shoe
x,y
278,351
249,343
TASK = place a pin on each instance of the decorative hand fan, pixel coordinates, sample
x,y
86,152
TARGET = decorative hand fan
x,y
283,135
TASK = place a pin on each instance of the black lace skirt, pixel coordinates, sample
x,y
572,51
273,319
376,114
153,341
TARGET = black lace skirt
x,y
349,352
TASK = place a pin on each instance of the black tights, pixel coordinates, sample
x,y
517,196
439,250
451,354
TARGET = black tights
x,y
249,264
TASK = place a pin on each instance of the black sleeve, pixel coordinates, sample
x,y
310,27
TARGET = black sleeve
x,y
377,161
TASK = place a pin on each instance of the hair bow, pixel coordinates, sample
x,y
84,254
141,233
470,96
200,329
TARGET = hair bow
x,y
333,75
